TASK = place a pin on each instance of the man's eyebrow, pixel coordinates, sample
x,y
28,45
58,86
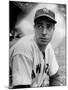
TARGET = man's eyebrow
x,y
39,23
47,23
50,24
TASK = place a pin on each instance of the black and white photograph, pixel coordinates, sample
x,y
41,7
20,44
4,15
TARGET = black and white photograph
x,y
37,44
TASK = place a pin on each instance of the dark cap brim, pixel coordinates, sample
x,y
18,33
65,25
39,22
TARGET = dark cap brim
x,y
45,17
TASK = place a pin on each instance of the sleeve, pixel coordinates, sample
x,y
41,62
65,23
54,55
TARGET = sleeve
x,y
56,80
21,70
53,65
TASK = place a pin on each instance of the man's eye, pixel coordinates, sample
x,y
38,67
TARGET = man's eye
x,y
48,25
40,26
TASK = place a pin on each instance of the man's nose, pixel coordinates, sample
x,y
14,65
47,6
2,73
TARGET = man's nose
x,y
44,31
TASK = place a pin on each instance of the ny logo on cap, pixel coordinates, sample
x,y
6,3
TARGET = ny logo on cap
x,y
45,10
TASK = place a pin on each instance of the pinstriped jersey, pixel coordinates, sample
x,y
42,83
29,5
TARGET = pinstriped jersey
x,y
28,64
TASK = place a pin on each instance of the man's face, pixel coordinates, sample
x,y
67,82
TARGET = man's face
x,y
44,32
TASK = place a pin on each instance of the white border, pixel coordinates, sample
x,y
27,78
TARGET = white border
x,y
4,42
46,1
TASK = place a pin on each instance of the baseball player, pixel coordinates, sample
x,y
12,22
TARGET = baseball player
x,y
32,59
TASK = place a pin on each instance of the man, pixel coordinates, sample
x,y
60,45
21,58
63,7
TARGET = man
x,y
32,59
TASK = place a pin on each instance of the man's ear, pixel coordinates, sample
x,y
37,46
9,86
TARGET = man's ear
x,y
54,27
34,25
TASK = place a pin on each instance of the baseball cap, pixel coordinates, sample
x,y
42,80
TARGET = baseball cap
x,y
46,13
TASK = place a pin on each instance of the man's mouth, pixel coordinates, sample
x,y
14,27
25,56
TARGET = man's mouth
x,y
44,39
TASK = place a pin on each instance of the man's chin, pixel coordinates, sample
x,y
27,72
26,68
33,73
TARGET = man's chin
x,y
43,43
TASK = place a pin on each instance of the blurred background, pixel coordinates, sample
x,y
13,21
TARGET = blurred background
x,y
21,16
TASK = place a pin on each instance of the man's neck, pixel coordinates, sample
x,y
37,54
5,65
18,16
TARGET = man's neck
x,y
42,47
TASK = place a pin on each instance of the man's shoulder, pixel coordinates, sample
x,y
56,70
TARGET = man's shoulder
x,y
49,50
23,45
25,41
49,47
